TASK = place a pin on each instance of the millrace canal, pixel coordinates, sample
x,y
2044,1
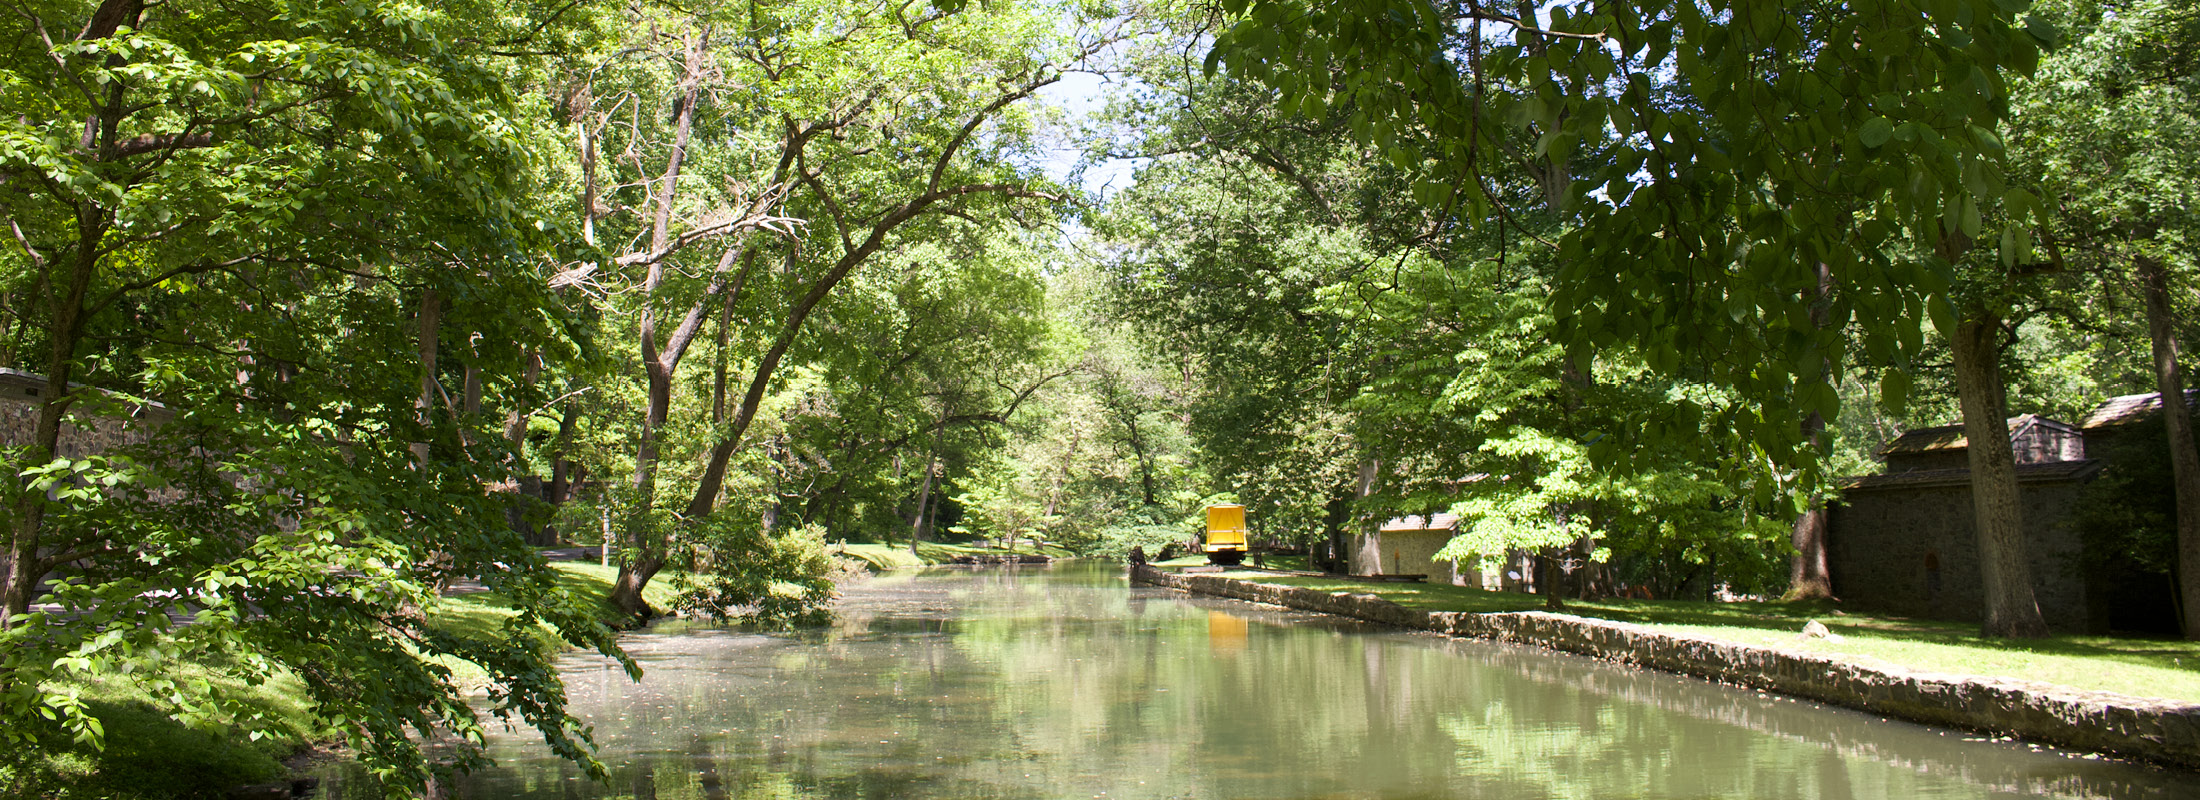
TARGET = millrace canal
x,y
1067,682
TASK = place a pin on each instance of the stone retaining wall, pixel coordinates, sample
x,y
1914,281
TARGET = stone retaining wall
x,y
2153,730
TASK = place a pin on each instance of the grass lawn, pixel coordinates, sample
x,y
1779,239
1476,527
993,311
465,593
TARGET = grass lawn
x,y
2147,667
1271,562
897,556
482,614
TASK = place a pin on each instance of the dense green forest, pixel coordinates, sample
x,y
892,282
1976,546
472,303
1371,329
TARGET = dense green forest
x,y
722,286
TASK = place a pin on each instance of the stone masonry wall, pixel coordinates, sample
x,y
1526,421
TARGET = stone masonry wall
x,y
1912,550
2153,730
20,398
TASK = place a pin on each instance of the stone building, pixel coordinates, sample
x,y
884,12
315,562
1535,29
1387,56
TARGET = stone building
x,y
1407,546
21,394
1903,540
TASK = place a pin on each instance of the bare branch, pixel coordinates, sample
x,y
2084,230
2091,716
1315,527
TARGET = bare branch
x,y
188,269
158,142
37,259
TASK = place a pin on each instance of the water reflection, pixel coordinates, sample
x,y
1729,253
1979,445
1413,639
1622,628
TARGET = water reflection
x,y
1227,633
1068,683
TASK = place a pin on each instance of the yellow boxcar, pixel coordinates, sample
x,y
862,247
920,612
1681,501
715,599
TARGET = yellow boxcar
x,y
1225,534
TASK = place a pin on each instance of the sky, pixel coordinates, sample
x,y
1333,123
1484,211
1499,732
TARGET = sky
x,y
1082,93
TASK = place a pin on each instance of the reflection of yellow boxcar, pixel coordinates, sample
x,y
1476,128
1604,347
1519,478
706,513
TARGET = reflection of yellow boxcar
x,y
1227,633
1225,534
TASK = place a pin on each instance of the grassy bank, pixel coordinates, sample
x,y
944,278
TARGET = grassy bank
x,y
482,614
2147,667
892,556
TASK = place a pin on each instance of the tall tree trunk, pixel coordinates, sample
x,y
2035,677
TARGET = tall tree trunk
x,y
1329,552
1363,550
529,484
1145,459
644,546
23,565
1808,577
2005,572
2184,461
426,338
924,493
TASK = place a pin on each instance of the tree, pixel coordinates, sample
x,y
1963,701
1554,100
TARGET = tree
x,y
824,146
257,218
1364,356
2106,127
1790,136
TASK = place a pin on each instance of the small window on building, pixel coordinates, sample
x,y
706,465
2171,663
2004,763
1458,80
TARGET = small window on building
x,y
1932,574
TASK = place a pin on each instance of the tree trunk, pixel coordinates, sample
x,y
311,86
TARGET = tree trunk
x,y
1145,460
924,493
2005,572
644,544
1329,552
626,592
22,565
1808,577
639,539
1362,551
2184,461
1550,577
431,326
529,484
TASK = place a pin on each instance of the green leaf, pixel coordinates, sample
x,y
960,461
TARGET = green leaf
x,y
1943,314
2044,31
1894,389
1876,132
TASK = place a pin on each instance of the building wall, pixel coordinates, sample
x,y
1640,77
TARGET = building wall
x,y
1928,460
81,434
2044,443
1405,552
1913,550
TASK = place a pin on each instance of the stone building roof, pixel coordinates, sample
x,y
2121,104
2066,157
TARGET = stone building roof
x,y
2132,408
1944,438
1440,522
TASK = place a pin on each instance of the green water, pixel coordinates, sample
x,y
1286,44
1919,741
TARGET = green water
x,y
1069,683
